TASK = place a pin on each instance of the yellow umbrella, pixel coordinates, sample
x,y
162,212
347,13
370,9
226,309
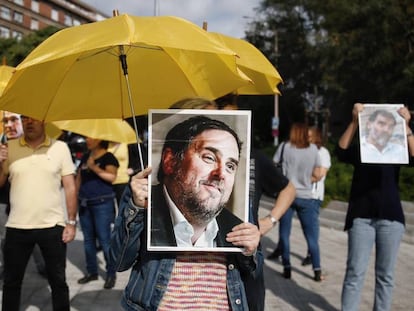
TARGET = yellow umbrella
x,y
115,130
98,70
6,73
52,130
254,64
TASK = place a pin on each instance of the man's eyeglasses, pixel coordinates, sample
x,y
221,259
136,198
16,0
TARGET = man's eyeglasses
x,y
12,119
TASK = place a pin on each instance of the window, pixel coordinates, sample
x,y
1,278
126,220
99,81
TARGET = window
x,y
4,32
76,22
19,2
35,6
68,20
18,17
17,35
5,13
34,24
54,14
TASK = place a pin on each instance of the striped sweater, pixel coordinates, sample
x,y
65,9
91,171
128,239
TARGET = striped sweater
x,y
198,282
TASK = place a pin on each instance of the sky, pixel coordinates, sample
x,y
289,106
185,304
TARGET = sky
x,y
229,17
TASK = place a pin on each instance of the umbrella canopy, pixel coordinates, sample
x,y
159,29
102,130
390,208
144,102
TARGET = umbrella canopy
x,y
254,64
77,74
115,130
5,75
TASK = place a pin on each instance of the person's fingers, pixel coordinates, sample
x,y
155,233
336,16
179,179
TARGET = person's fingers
x,y
139,186
245,235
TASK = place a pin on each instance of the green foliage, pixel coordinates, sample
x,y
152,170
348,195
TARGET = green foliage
x,y
406,182
342,50
339,178
15,51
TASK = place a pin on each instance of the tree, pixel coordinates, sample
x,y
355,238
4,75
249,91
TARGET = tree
x,y
343,50
282,33
15,51
368,51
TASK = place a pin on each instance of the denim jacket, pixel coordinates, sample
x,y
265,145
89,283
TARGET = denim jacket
x,y
151,270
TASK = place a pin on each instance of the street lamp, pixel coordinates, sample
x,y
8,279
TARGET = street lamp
x,y
156,8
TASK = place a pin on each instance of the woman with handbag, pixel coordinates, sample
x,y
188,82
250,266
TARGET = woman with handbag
x,y
301,165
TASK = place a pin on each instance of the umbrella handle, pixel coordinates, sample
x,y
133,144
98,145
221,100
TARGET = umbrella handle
x,y
123,60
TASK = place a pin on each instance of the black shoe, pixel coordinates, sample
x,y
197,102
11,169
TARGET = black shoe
x,y
88,278
110,282
276,254
318,277
307,261
287,273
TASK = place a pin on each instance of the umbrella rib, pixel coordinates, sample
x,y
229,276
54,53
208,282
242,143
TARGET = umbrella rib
x,y
110,50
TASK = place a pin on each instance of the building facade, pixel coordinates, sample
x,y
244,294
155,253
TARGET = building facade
x,y
20,17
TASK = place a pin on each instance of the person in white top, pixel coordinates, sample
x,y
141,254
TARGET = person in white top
x,y
318,187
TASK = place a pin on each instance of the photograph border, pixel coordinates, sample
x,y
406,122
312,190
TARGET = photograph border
x,y
400,131
160,121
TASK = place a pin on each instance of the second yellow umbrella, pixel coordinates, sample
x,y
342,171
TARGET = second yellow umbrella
x,y
254,64
116,130
5,75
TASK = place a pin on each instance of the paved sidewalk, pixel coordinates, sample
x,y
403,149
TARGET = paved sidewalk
x,y
302,293
299,293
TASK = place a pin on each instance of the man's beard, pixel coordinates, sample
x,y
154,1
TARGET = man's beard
x,y
382,140
197,211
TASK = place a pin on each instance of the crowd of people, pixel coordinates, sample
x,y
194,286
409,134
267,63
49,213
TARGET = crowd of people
x,y
187,211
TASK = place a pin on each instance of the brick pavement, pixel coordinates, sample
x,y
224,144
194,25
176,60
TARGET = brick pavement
x,y
299,293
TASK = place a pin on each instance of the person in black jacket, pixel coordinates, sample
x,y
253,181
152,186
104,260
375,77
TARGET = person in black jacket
x,y
264,178
375,217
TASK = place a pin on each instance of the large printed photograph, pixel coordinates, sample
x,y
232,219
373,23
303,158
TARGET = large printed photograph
x,y
382,134
200,179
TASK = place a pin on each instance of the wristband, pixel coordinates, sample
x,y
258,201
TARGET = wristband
x,y
272,219
71,222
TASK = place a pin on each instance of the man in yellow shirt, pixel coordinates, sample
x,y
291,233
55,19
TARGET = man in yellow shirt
x,y
37,167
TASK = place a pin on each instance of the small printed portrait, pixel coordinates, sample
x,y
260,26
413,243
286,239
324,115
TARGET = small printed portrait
x,y
382,134
12,124
199,180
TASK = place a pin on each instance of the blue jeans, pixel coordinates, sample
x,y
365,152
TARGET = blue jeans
x,y
18,247
362,235
308,214
95,221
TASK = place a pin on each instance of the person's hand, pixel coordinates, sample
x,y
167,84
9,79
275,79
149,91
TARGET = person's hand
x,y
69,233
405,114
358,107
139,187
4,153
265,225
245,235
90,163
